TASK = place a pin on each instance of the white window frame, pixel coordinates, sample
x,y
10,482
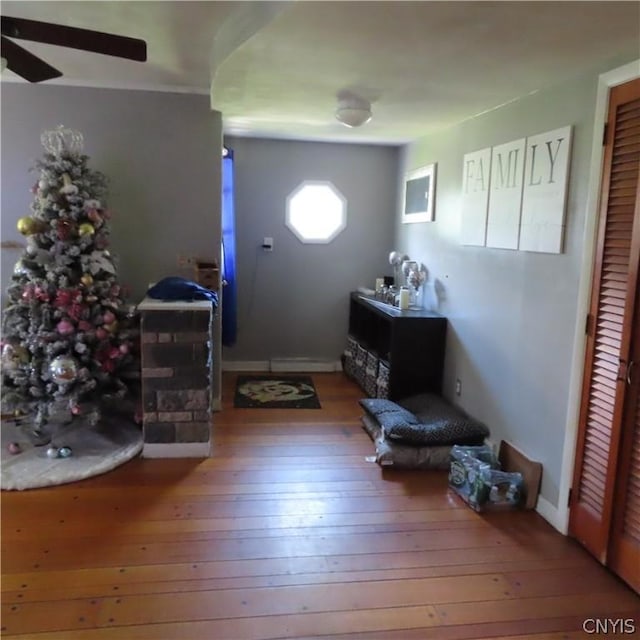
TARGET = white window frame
x,y
299,233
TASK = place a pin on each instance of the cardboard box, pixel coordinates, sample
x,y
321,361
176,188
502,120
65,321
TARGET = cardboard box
x,y
207,274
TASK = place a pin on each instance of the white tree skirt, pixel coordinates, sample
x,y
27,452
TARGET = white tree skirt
x,y
96,450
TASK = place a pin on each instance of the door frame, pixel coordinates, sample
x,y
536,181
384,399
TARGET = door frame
x,y
559,517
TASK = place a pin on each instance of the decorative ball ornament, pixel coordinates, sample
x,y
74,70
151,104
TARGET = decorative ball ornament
x,y
52,452
396,258
108,317
86,229
113,327
63,370
19,269
65,327
14,448
27,225
87,279
65,452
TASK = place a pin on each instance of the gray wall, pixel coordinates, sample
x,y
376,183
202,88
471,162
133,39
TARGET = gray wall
x,y
512,314
293,302
160,151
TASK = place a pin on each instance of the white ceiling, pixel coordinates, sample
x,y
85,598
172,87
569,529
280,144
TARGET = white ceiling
x,y
275,68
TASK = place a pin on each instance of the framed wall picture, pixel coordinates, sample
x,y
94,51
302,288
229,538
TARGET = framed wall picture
x,y
419,192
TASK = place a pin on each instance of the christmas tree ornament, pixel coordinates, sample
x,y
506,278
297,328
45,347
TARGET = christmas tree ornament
x,y
63,230
108,317
63,370
14,448
27,226
63,299
19,269
101,333
94,216
65,327
83,325
10,359
68,188
65,452
87,279
62,141
113,327
86,229
52,452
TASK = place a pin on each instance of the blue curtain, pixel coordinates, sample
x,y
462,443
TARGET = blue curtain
x,y
229,297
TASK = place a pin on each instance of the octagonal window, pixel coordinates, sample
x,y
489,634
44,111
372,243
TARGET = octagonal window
x,y
316,211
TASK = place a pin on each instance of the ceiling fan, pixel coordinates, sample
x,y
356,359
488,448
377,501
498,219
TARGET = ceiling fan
x,y
34,69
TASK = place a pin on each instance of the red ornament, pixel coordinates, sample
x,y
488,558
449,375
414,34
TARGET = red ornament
x,y
63,298
64,230
108,317
114,353
83,325
28,293
75,311
101,333
124,348
76,410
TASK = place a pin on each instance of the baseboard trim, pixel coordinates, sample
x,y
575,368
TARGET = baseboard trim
x,y
304,365
283,365
552,515
176,450
245,365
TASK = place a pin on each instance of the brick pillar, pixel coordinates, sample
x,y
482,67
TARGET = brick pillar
x,y
176,378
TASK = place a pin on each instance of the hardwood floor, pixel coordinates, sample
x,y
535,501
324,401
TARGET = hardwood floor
x,y
289,532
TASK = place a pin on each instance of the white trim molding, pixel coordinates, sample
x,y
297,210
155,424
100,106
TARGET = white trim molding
x,y
245,365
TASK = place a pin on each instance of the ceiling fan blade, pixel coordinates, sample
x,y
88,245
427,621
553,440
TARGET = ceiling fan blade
x,y
25,64
75,38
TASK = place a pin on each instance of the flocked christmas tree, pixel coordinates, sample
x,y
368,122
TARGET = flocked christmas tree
x,y
68,341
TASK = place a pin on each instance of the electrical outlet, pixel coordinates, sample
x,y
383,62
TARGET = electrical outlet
x,y
458,387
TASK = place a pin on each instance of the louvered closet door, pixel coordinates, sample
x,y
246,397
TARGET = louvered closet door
x,y
625,536
614,293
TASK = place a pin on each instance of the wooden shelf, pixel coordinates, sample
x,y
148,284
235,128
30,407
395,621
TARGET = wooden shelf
x,y
409,343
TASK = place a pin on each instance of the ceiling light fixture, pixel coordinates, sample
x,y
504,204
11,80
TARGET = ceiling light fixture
x,y
353,111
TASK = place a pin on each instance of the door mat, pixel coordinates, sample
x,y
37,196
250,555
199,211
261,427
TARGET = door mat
x,y
275,392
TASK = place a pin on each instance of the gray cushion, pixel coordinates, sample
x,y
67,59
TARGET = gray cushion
x,y
388,413
445,431
425,420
